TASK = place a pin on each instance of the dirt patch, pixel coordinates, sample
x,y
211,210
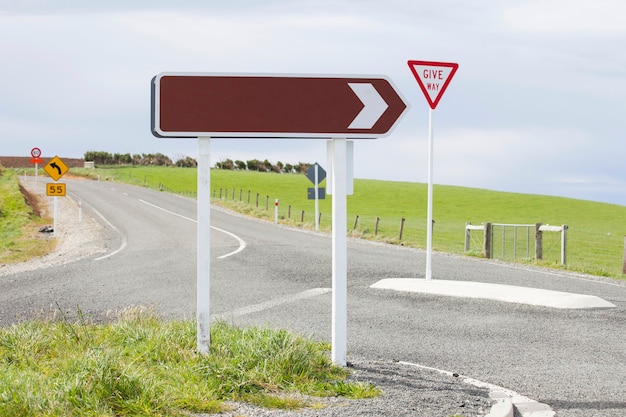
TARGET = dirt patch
x,y
32,200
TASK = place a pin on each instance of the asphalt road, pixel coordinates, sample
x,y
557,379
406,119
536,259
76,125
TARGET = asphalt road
x,y
572,360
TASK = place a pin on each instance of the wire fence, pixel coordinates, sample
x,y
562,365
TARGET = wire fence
x,y
588,251
600,253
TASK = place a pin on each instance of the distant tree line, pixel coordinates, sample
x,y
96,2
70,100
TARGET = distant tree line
x,y
158,159
107,158
263,166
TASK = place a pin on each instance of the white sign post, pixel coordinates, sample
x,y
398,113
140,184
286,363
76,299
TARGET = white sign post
x,y
340,252
35,153
433,79
55,206
203,278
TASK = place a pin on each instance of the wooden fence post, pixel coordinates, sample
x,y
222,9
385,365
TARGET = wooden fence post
x,y
564,244
376,228
467,237
538,242
487,241
356,222
624,260
401,228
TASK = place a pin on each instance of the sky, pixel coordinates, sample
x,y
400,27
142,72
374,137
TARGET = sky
x,y
538,104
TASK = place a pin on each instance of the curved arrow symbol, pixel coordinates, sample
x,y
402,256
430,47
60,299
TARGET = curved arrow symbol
x,y
58,168
373,106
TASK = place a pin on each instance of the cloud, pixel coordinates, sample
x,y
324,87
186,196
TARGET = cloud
x,y
537,101
567,17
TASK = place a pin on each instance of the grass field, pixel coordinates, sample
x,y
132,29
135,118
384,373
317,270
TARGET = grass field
x,y
595,236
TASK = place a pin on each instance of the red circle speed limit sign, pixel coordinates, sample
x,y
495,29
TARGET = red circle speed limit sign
x,y
35,152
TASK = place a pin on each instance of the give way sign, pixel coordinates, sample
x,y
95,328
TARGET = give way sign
x,y
249,106
433,78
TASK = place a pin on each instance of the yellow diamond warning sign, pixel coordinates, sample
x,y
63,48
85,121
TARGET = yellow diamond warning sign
x,y
56,168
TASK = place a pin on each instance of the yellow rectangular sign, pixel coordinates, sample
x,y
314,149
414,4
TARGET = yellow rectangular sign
x,y
55,189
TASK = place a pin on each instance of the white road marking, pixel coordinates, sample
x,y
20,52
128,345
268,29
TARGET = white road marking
x,y
596,280
242,243
525,406
124,240
255,308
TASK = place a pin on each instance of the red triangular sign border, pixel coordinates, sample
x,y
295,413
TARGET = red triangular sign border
x,y
453,66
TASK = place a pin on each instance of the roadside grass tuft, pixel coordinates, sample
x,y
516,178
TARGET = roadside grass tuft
x,y
140,365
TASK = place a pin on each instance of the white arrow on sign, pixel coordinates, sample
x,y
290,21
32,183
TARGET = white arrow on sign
x,y
373,106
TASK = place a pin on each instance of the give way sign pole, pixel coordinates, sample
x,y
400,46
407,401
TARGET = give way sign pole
x,y
433,79
208,105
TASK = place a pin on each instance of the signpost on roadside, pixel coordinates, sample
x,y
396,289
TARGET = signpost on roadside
x,y
316,174
209,105
433,79
35,154
56,168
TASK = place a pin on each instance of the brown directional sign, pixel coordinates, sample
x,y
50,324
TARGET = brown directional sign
x,y
249,106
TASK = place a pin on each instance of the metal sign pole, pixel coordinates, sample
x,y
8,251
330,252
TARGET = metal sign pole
x,y
429,221
203,290
433,79
340,253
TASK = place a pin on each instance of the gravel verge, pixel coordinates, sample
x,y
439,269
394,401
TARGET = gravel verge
x,y
75,239
407,391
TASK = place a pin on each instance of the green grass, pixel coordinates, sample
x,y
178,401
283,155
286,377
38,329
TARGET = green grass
x,y
595,236
18,223
179,180
139,365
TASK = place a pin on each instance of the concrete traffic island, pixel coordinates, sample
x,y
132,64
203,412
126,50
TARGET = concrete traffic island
x,y
498,292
